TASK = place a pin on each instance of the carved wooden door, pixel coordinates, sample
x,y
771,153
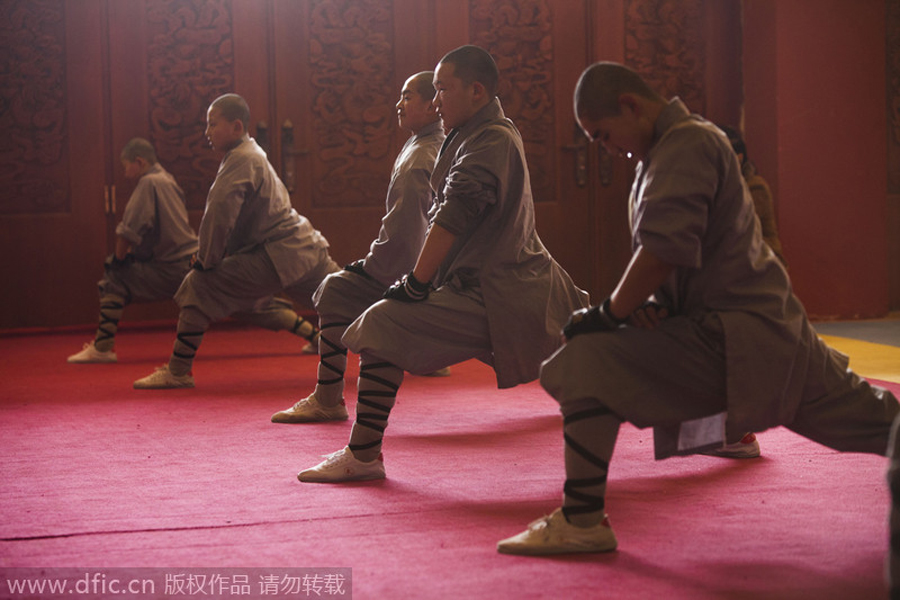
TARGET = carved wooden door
x,y
339,65
52,206
541,47
167,61
321,78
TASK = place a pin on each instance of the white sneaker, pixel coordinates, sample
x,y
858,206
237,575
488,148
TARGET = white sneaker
x,y
554,535
309,410
90,354
748,447
343,466
163,378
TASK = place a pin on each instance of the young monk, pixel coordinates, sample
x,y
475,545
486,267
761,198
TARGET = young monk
x,y
483,285
253,244
345,295
698,375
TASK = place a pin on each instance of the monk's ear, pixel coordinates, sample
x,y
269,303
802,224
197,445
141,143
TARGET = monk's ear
x,y
630,102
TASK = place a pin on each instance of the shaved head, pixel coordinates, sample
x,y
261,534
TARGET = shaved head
x,y
600,86
232,108
139,148
423,84
471,64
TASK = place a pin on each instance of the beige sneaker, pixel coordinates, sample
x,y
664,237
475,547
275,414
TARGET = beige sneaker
x,y
163,378
343,466
748,447
309,410
90,354
554,535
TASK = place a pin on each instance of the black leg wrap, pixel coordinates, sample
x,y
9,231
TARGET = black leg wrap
x,y
592,502
333,351
364,374
365,398
588,456
360,447
299,323
363,418
104,332
587,493
183,339
373,406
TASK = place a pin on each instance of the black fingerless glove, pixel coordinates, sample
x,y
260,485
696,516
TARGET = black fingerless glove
x,y
114,262
591,320
408,289
357,267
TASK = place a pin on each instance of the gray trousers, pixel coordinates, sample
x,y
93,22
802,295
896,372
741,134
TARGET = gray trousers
x,y
345,295
449,327
676,373
143,281
239,283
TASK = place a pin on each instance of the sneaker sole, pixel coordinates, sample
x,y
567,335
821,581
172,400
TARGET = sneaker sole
x,y
92,362
538,551
309,479
163,387
294,419
738,454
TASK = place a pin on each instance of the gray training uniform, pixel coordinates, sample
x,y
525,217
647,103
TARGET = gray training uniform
x,y
344,295
739,350
500,296
155,222
253,244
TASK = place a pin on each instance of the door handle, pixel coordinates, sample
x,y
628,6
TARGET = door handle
x,y
262,136
579,147
287,155
288,152
109,199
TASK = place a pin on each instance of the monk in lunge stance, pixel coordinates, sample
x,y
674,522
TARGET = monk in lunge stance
x,y
483,285
698,375
345,295
252,245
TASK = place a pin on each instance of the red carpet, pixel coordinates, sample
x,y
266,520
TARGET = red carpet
x,y
96,474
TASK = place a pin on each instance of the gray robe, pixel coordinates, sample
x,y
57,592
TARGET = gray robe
x,y
702,220
249,208
738,338
253,244
344,295
409,200
497,268
155,220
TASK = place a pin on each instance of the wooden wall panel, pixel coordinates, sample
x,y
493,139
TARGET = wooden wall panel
x,y
824,89
34,176
330,70
892,44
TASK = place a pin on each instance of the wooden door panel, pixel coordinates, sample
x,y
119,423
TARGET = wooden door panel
x,y
541,46
338,81
167,61
52,219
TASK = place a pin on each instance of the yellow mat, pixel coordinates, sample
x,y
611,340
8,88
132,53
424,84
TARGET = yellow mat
x,y
877,361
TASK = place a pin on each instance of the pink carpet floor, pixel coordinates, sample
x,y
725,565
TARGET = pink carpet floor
x,y
96,474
